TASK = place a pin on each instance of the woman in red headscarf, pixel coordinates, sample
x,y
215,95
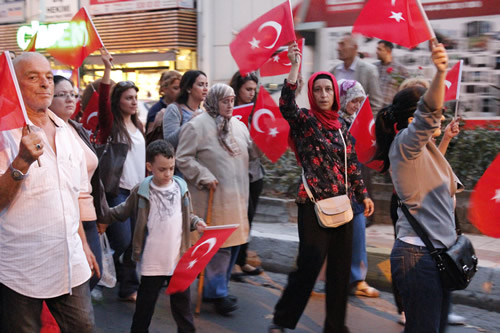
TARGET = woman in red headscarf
x,y
315,137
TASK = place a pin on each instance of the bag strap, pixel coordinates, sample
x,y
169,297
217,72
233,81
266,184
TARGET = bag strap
x,y
421,233
304,181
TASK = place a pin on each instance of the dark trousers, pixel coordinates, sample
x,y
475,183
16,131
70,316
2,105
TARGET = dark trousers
x,y
316,244
92,236
255,191
394,218
425,301
120,239
73,313
147,295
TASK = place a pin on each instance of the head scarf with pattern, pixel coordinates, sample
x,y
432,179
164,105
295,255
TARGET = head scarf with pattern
x,y
217,93
349,90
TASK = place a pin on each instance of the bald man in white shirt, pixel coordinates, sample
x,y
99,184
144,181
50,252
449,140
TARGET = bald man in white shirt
x,y
42,255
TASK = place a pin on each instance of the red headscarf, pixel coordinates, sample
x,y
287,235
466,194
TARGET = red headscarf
x,y
329,119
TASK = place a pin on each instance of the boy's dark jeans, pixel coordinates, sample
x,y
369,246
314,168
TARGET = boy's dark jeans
x,y
147,295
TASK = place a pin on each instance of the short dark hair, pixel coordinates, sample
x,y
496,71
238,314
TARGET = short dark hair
x,y
187,82
159,147
60,78
387,44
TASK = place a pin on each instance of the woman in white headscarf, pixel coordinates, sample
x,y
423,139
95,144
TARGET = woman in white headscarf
x,y
213,153
352,96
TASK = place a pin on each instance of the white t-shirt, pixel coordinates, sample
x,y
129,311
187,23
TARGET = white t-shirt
x,y
163,240
134,168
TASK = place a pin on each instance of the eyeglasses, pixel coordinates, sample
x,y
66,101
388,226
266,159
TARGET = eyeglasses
x,y
66,95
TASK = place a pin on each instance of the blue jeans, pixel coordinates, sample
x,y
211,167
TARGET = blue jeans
x,y
425,302
218,272
92,236
73,313
359,263
120,239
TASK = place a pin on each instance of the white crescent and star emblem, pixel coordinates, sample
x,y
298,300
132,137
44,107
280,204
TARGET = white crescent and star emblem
x,y
276,26
447,84
211,243
276,58
273,132
370,127
255,120
254,43
239,117
397,16
93,114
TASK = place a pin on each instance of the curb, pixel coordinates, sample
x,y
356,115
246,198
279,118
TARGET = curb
x,y
278,254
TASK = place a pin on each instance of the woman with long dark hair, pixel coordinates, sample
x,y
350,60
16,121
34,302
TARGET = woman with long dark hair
x,y
245,89
119,125
426,184
194,89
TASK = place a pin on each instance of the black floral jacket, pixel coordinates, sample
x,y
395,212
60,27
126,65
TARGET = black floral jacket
x,y
321,152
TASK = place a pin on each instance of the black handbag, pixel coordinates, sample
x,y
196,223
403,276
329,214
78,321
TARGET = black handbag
x,y
112,157
457,264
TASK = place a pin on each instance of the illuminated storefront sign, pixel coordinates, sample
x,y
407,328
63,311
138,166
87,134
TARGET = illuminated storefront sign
x,y
62,34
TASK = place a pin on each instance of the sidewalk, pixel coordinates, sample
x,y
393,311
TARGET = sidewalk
x,y
277,243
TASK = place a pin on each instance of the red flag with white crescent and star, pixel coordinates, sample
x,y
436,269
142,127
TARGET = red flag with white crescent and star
x,y
12,110
269,130
198,256
279,64
90,117
255,43
242,112
84,40
363,131
452,82
402,22
484,203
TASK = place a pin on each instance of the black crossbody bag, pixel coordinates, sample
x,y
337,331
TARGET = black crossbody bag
x,y
457,264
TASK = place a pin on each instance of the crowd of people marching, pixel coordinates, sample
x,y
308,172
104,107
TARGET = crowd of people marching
x,y
148,188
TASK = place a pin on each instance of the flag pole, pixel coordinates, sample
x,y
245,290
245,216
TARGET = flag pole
x,y
202,274
424,15
458,86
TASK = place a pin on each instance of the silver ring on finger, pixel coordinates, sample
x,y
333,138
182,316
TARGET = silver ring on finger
x,y
38,146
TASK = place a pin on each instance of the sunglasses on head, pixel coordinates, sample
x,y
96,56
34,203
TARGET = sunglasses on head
x,y
126,84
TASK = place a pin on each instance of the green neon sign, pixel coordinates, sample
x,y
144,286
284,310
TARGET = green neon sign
x,y
60,35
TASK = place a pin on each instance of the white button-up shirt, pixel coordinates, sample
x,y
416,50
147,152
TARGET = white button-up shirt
x,y
41,253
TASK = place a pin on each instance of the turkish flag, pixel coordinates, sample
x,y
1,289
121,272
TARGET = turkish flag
x,y
402,22
78,108
90,114
452,82
78,41
363,131
279,64
484,203
31,46
257,41
12,110
242,112
269,129
198,256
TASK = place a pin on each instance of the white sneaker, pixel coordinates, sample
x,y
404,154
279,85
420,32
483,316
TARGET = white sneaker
x,y
454,319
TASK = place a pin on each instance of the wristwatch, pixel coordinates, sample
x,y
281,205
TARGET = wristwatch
x,y
17,174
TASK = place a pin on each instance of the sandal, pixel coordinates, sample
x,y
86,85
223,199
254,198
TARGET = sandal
x,y
363,289
273,328
250,270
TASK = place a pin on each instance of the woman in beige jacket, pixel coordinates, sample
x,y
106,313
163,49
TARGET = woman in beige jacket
x,y
213,153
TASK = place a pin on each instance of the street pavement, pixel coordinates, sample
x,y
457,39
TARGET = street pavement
x,y
257,297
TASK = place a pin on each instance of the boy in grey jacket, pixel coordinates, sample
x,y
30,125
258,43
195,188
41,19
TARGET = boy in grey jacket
x,y
164,220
